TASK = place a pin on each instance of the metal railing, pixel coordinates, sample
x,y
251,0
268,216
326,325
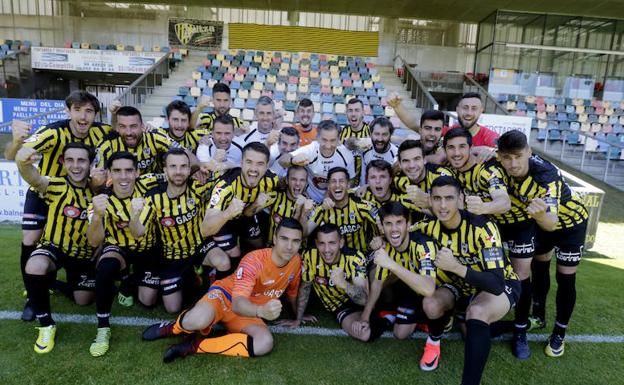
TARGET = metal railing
x,y
415,87
490,104
138,91
602,159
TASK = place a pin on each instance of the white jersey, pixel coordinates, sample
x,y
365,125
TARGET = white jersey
x,y
320,165
233,154
274,162
253,135
369,155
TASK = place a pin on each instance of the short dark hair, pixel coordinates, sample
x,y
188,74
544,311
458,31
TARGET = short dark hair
x,y
305,102
225,119
354,101
175,151
393,208
380,164
328,125
80,97
431,115
328,228
470,95
458,132
409,144
289,223
178,105
295,167
443,181
257,147
290,131
129,111
80,146
221,87
121,155
383,122
334,170
512,141
265,101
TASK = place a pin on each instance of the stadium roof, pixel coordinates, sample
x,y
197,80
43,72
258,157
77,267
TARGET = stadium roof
x,y
457,10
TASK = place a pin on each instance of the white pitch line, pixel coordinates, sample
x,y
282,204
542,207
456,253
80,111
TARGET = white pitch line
x,y
306,330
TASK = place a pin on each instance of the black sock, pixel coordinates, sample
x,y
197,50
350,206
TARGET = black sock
x,y
127,284
25,254
566,299
523,306
476,351
499,328
223,274
107,271
436,327
540,273
37,287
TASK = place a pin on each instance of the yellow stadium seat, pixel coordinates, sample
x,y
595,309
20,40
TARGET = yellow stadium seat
x,y
603,119
305,55
368,84
580,109
284,66
155,48
85,45
337,90
139,48
332,57
303,88
585,127
314,74
183,51
235,112
334,69
239,77
582,118
340,108
257,59
122,47
376,78
195,92
255,94
291,96
609,111
259,86
266,66
550,108
196,75
280,87
231,70
220,57
243,94
578,102
542,124
325,82
283,72
596,127
271,78
606,104
305,67
304,80
342,63
286,55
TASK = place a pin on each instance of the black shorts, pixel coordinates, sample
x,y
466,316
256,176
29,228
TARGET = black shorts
x,y
345,310
244,227
35,211
144,264
568,244
202,250
462,301
174,274
408,305
80,272
519,238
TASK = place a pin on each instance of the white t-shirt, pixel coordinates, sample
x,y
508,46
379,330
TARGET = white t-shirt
x,y
274,162
253,135
319,166
369,155
233,154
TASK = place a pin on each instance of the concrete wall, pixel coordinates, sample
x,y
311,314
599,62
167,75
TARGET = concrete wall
x,y
435,58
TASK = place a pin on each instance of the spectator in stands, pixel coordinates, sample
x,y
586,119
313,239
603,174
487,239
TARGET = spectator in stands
x,y
221,101
304,115
288,141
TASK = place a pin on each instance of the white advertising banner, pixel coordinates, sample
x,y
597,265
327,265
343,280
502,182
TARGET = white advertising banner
x,y
12,193
93,60
504,123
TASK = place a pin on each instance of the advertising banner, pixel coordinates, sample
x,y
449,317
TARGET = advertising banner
x,y
192,33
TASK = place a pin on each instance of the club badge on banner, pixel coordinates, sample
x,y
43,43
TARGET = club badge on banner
x,y
12,193
192,33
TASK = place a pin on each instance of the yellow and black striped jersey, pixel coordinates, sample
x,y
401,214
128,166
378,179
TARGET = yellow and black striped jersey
x,y
178,220
432,171
416,213
66,226
50,140
151,148
348,132
189,141
280,206
476,243
317,271
483,179
230,185
355,220
117,216
418,257
205,121
546,182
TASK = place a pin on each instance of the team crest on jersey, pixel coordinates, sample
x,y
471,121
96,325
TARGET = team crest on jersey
x,y
122,225
191,202
216,196
167,221
491,238
352,215
464,248
147,151
71,211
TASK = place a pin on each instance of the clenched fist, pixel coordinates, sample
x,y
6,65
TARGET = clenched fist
x,y
100,202
270,310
